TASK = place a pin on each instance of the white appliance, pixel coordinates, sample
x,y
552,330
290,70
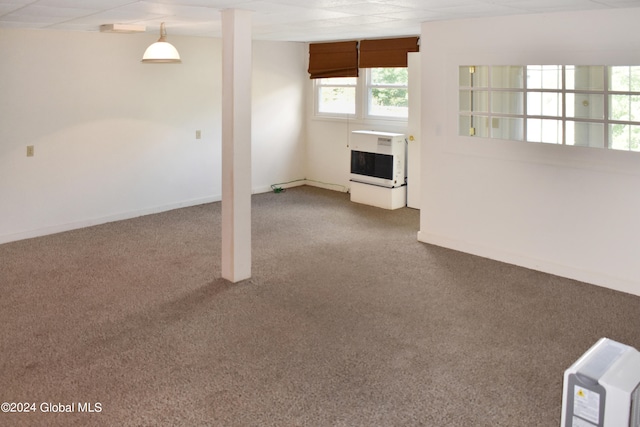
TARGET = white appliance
x,y
602,388
378,172
378,158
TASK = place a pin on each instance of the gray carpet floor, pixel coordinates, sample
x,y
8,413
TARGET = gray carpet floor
x,y
347,320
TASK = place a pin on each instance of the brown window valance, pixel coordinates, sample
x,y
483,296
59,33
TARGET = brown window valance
x,y
339,59
387,52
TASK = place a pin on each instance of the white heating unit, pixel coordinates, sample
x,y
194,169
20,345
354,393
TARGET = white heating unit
x,y
378,173
602,388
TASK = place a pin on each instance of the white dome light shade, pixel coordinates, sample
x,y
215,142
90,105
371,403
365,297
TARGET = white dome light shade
x,y
161,51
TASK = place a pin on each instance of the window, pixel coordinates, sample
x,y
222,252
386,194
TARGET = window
x,y
593,106
624,108
336,96
382,94
387,92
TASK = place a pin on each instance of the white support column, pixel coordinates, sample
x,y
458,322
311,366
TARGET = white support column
x,y
236,145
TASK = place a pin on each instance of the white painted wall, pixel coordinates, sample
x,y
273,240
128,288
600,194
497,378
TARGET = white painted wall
x,y
328,153
279,115
328,150
570,211
328,139
115,138
414,140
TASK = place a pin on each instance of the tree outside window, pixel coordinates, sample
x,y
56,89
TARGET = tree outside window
x,y
388,92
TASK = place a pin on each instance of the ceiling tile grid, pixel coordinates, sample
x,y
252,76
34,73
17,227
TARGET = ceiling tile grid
x,y
286,20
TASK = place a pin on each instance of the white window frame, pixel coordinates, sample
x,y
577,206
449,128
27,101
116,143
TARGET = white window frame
x,y
369,95
561,116
318,84
362,89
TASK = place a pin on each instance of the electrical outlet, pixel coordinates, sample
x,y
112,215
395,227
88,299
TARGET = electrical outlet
x,y
30,151
198,134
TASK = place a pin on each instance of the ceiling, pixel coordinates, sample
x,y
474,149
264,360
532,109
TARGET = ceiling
x,y
285,20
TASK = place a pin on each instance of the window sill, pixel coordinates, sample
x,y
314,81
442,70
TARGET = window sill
x,y
361,121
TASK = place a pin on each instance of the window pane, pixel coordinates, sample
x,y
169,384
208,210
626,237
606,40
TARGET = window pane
x,y
625,79
387,92
476,100
507,77
338,81
464,101
585,134
507,128
464,76
391,102
544,76
584,77
479,78
507,102
624,107
339,100
585,106
543,130
624,137
544,104
464,124
389,76
480,125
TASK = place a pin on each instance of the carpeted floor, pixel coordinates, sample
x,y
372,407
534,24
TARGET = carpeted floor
x,y
347,321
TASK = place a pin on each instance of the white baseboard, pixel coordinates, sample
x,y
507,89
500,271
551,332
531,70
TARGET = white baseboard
x,y
59,228
327,186
545,266
267,189
301,182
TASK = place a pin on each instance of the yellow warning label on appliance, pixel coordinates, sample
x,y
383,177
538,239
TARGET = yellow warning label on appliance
x,y
586,404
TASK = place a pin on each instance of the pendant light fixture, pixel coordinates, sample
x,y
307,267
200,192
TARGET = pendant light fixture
x,y
161,52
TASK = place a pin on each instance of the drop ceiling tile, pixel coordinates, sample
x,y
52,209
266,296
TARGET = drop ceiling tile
x,y
315,4
542,6
37,21
69,26
364,20
402,27
268,7
16,2
51,13
184,28
7,8
115,16
21,25
313,25
211,4
85,4
274,19
299,17
434,4
369,8
187,12
621,3
480,9
419,15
